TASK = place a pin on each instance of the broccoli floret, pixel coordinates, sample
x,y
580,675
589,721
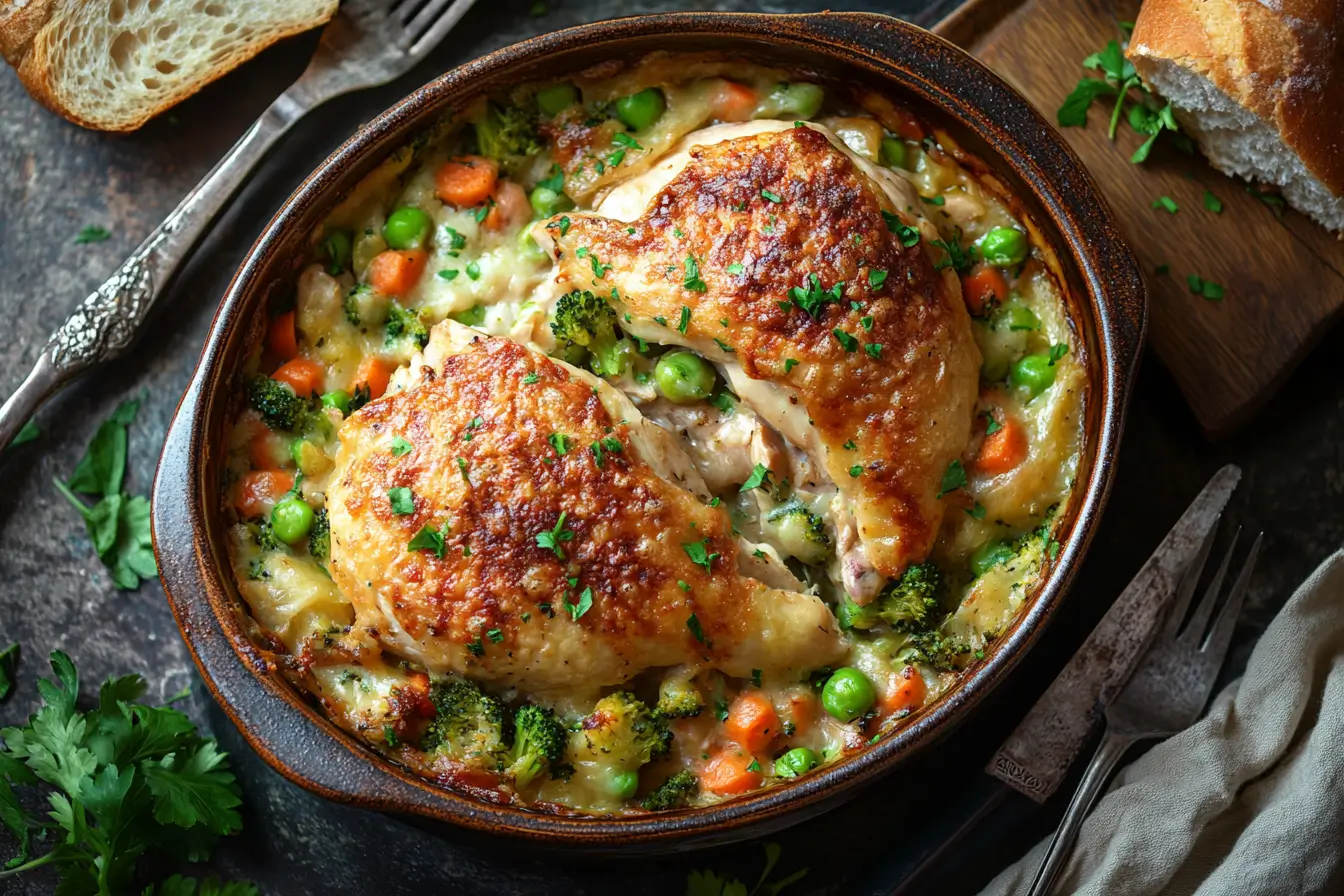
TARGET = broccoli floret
x,y
319,537
405,324
799,531
674,793
678,698
932,648
352,302
624,731
469,725
538,740
586,321
507,134
277,404
905,604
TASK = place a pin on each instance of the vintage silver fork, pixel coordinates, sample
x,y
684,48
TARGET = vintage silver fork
x,y
1165,694
368,43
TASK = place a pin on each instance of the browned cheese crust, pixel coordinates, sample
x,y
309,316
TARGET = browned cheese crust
x,y
483,466
908,410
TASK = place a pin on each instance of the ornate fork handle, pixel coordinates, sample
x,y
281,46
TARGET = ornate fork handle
x,y
107,323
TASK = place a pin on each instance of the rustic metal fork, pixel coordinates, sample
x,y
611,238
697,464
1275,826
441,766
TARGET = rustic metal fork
x,y
1166,693
367,43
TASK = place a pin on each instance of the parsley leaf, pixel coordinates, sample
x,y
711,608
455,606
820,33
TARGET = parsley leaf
x,y
856,471
773,197
1058,351
685,320
402,501
735,268
954,477
1214,292
693,624
725,402
693,281
698,551
760,477
1167,203
1073,112
428,539
9,662
876,279
811,297
583,605
92,234
551,540
908,235
1213,203
874,349
789,364
850,343
401,447
532,379
560,442
555,181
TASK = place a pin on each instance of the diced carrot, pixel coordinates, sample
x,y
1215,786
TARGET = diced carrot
x,y
395,272
303,375
734,102
509,206
908,127
281,339
908,694
802,710
268,450
731,771
466,180
1003,449
373,372
982,289
258,490
752,720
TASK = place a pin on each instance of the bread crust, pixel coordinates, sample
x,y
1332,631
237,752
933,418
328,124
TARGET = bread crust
x,y
1285,65
26,39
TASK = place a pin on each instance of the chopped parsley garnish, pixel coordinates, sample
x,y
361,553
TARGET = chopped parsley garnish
x,y
959,257
755,765
1213,203
581,606
660,320
473,270
1207,288
599,269
977,512
735,268
758,554
475,424
760,477
856,471
693,281
715,501
402,501
932,200
483,211
401,447
992,425
693,624
720,711
685,320
1058,351
92,234
683,585
908,235
532,379
560,442
725,402
610,445
850,343
723,346
954,477
562,225
448,274
616,158
876,279
867,323
1166,202
698,551
555,182
625,140
428,539
874,349
811,297
773,197
551,539
789,364
456,241
462,468
476,648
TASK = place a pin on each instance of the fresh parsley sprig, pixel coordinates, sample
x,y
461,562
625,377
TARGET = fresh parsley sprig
x,y
122,779
118,523
1120,80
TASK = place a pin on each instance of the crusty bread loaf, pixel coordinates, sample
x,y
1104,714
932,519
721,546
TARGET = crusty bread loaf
x,y
114,64
1259,85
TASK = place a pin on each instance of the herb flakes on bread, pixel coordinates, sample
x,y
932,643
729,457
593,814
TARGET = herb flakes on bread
x,y
1259,86
114,64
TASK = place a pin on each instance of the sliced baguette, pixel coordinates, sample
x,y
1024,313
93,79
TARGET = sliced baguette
x,y
1259,85
114,64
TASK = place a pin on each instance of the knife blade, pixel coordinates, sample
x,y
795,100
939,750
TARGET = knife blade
x,y
1036,757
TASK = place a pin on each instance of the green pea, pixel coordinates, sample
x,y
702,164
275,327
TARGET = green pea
x,y
407,228
338,399
848,694
623,783
338,246
1004,247
1034,373
639,110
893,152
291,518
547,202
557,98
989,555
684,377
795,101
798,761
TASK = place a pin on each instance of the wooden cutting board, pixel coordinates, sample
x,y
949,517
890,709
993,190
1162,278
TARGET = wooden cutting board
x,y
1284,277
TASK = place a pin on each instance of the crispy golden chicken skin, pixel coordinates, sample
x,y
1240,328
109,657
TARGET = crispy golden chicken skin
x,y
562,554
778,255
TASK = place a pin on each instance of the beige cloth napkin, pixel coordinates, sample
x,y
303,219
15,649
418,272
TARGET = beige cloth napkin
x,y
1249,800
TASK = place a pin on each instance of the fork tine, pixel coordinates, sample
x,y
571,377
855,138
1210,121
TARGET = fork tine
x,y
437,20
1199,620
1186,589
1221,634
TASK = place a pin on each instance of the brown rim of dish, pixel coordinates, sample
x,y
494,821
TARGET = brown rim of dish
x,y
1103,289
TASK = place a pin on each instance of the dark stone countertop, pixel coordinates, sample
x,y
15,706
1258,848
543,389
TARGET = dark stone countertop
x,y
56,178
